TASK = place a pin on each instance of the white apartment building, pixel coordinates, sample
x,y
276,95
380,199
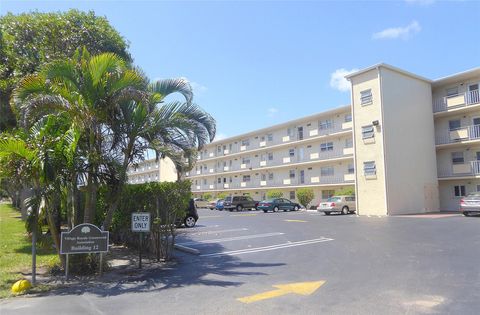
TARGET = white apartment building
x,y
414,142
314,151
151,170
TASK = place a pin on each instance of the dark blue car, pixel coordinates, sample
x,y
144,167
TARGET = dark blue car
x,y
219,205
277,204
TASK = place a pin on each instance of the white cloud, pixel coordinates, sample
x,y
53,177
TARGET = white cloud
x,y
398,32
272,111
420,2
338,81
198,88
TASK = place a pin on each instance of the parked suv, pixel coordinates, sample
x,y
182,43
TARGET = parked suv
x,y
191,216
342,204
239,203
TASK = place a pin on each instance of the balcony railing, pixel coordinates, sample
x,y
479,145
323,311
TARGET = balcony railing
x,y
465,133
445,103
471,168
285,182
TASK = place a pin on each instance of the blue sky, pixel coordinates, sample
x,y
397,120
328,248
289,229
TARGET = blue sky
x,y
257,63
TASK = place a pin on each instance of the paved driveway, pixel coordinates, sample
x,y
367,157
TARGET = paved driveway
x,y
361,265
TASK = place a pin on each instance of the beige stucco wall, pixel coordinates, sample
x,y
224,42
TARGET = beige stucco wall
x,y
410,157
371,197
168,172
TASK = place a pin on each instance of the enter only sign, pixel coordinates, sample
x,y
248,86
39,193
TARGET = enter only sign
x,y
141,222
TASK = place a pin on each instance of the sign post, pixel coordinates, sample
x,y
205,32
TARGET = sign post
x,y
84,238
141,224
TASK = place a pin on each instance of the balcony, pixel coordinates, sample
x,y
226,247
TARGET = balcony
x,y
467,169
466,133
456,101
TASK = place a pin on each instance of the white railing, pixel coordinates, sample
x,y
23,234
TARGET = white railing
x,y
465,133
442,104
471,168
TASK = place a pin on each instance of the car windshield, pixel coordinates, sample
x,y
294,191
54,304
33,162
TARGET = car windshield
x,y
268,201
228,199
334,199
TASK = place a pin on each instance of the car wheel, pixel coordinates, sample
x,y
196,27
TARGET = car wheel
x,y
190,222
466,213
275,209
327,212
230,209
345,210
239,208
265,211
295,208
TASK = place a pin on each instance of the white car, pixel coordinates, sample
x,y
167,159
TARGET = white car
x,y
201,203
342,204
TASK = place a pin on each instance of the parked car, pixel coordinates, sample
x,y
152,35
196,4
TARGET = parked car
x,y
470,204
342,204
201,203
219,205
191,216
278,204
212,204
239,203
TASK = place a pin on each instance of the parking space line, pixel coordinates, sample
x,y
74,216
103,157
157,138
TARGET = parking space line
x,y
268,248
218,231
295,221
236,238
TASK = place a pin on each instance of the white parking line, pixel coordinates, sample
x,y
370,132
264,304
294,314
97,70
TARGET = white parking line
x,y
218,231
237,238
268,248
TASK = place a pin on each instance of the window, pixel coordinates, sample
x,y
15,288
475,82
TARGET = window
x,y
291,152
264,177
300,133
369,168
459,190
327,194
454,124
326,171
348,143
351,169
204,181
326,146
246,178
302,177
246,142
292,174
270,176
270,137
325,124
292,194
457,158
219,180
366,97
453,91
368,132
246,160
224,179
270,156
348,117
262,138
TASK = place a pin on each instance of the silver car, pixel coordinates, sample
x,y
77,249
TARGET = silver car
x,y
470,204
342,204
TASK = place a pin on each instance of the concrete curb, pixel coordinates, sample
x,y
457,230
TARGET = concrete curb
x,y
186,249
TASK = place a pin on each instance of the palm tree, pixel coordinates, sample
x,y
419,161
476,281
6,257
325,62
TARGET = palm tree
x,y
88,90
173,130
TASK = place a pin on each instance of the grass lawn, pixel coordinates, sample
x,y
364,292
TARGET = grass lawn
x,y
15,250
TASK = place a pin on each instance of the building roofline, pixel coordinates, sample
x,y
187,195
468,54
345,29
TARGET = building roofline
x,y
456,76
280,125
390,67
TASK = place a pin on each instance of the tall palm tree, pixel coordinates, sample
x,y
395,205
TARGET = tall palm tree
x,y
172,130
87,89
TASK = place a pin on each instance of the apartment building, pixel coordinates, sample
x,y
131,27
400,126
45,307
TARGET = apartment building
x,y
314,151
151,170
415,140
415,143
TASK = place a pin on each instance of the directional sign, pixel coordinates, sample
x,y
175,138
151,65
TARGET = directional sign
x,y
141,222
302,288
83,239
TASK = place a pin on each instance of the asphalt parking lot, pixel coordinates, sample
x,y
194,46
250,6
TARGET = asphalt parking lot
x,y
300,263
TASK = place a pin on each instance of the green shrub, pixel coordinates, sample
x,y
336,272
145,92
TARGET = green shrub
x,y
345,191
207,196
222,195
305,196
274,193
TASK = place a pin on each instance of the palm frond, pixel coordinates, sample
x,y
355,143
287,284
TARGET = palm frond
x,y
166,87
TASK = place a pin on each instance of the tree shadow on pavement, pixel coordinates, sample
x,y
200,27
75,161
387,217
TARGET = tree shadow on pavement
x,y
185,271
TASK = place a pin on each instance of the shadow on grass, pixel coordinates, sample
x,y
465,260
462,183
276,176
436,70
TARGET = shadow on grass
x,y
188,270
41,251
